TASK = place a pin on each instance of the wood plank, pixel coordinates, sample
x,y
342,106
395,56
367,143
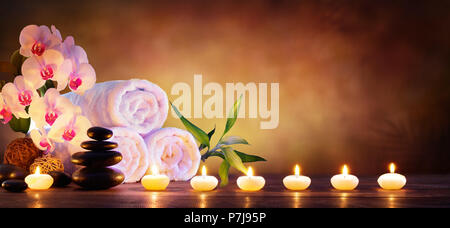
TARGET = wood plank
x,y
420,191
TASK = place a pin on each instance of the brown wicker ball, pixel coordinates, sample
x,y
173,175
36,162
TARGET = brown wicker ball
x,y
21,152
47,164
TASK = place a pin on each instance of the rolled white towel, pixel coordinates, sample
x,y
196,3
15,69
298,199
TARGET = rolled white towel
x,y
136,104
135,156
174,152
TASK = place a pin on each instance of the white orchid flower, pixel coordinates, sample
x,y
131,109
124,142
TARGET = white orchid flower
x,y
83,75
46,110
19,95
36,40
70,127
82,78
5,111
50,66
42,141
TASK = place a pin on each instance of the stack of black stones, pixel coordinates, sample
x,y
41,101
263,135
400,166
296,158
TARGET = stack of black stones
x,y
96,174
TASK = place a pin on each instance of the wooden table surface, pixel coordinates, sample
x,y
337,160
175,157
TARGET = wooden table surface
x,y
420,191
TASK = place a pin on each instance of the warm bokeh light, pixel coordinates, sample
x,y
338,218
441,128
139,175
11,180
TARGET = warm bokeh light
x,y
297,170
250,171
345,170
204,171
392,167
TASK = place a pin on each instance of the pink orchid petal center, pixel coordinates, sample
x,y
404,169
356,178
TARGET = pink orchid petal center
x,y
6,115
46,144
25,97
38,48
50,117
47,72
75,83
69,134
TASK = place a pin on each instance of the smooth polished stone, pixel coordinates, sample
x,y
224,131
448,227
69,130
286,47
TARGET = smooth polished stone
x,y
96,159
99,133
14,185
60,179
11,172
97,178
99,145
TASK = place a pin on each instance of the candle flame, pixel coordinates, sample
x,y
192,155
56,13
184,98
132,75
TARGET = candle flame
x,y
392,167
297,170
37,171
250,172
204,171
155,170
345,170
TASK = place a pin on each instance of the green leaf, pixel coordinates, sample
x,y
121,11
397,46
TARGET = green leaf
x,y
20,125
17,60
232,116
249,158
223,173
198,133
212,153
233,159
232,140
48,84
244,157
210,134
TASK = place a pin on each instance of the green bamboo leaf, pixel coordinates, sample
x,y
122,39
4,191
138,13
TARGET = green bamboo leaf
x,y
20,125
210,134
232,116
244,157
232,140
198,133
212,153
233,159
248,157
223,173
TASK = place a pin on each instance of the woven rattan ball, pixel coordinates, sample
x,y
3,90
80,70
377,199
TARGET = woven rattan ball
x,y
21,152
47,164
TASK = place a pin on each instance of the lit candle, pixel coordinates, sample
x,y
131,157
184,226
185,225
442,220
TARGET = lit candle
x,y
344,181
204,182
155,181
38,181
296,182
250,182
392,181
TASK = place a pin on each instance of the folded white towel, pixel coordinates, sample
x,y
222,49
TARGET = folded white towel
x,y
135,156
174,152
136,104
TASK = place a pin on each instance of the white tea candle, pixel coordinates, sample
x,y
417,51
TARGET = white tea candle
x,y
204,182
392,180
38,181
155,181
297,181
344,181
250,182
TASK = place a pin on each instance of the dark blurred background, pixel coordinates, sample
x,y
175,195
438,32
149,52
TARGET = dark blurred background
x,y
361,82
